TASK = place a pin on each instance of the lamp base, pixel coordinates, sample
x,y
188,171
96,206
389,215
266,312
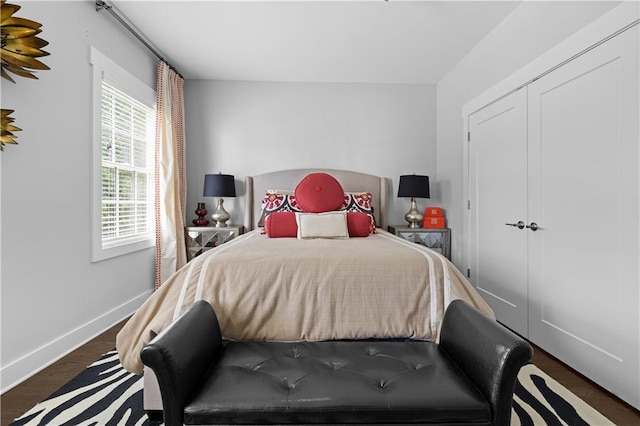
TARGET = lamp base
x,y
220,216
413,216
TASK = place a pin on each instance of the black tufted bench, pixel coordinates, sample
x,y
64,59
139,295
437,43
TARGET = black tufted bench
x,y
468,378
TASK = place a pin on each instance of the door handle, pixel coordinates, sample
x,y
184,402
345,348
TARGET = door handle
x,y
519,225
534,226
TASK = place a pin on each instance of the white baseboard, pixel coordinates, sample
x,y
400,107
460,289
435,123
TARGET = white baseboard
x,y
18,371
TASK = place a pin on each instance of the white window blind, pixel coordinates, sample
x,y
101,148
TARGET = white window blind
x,y
127,172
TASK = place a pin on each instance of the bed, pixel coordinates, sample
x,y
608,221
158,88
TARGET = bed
x,y
289,289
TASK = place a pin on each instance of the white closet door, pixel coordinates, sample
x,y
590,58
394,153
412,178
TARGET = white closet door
x,y
498,196
584,194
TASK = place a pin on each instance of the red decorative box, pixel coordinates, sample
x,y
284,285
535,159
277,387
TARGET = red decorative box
x,y
433,222
433,212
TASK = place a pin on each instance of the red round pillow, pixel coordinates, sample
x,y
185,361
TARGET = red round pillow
x,y
319,193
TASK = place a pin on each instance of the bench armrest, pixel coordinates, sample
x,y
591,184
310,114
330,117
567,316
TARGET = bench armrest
x,y
487,352
181,355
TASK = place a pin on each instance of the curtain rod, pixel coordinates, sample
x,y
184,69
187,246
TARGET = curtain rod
x,y
100,5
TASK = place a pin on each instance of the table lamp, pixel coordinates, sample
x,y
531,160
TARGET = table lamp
x,y
219,186
414,186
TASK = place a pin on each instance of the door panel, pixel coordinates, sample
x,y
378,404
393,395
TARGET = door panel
x,y
583,192
498,195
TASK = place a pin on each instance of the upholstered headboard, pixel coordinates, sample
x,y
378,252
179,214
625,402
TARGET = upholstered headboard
x,y
257,185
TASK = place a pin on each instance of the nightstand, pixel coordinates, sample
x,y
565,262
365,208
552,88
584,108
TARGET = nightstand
x,y
199,239
438,239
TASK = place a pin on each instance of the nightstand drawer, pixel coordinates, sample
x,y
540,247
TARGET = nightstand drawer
x,y
438,239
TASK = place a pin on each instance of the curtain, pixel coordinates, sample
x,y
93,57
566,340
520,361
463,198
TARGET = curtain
x,y
170,182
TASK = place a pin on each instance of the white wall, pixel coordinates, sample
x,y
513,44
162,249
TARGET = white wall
x,y
529,31
53,297
247,128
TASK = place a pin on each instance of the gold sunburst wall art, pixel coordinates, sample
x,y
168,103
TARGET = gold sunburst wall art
x,y
6,135
20,49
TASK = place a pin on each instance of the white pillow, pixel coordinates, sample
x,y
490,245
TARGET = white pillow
x,y
322,225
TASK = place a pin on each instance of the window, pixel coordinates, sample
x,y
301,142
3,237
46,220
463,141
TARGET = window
x,y
124,118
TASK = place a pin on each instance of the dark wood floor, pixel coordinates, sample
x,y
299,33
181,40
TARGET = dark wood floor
x,y
24,396
21,398
614,409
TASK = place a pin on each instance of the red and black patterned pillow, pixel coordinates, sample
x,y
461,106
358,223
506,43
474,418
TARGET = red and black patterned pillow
x,y
360,202
285,201
277,201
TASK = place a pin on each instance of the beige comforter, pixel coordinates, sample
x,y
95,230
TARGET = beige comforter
x,y
286,289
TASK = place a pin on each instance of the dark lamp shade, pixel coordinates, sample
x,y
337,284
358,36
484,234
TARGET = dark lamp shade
x,y
416,186
219,186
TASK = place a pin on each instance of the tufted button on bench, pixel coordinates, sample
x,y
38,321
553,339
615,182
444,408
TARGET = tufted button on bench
x,y
468,378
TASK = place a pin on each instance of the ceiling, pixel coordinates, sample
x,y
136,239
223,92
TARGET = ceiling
x,y
315,41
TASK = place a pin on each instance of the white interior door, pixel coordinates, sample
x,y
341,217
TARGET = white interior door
x,y
498,197
584,194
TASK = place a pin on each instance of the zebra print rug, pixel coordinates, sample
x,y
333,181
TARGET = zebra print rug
x,y
106,394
